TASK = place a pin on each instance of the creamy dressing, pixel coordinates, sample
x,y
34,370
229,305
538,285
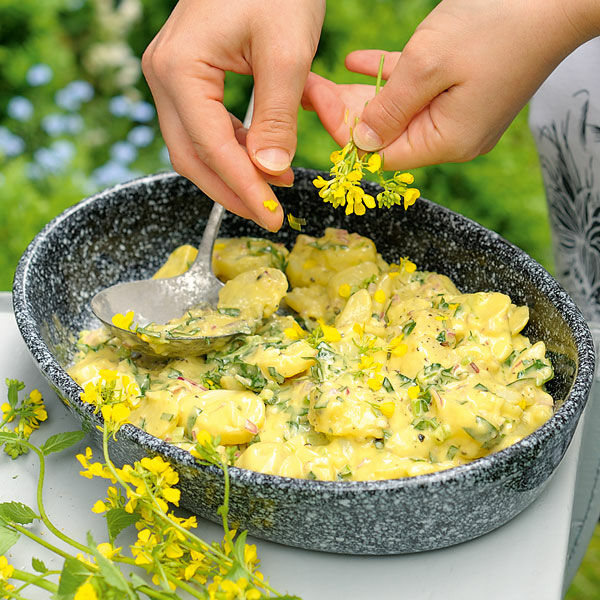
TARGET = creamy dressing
x,y
385,372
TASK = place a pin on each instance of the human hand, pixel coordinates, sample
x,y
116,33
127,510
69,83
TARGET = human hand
x,y
185,65
469,68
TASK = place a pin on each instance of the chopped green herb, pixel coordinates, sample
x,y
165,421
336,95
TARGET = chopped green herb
x,y
408,327
452,450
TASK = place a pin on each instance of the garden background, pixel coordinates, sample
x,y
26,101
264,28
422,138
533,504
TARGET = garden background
x,y
76,116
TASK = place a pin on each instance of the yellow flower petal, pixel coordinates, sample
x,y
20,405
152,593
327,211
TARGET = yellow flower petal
x,y
271,205
123,321
369,200
409,266
344,290
400,350
410,197
379,296
387,409
374,162
413,391
407,178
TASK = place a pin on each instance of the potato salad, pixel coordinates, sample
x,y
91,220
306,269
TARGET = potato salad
x,y
368,370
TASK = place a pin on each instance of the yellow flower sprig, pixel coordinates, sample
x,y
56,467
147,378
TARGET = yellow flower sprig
x,y
344,189
140,495
26,413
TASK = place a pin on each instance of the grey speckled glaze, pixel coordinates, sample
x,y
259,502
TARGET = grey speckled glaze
x,y
126,232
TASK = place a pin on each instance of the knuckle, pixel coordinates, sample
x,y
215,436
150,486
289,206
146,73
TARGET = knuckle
x,y
292,59
277,121
424,65
391,112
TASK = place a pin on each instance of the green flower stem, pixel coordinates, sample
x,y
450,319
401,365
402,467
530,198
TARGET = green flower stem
x,y
40,502
206,548
185,586
155,593
152,593
37,580
27,533
379,74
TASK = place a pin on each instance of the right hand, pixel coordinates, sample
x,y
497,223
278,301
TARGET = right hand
x,y
466,72
185,66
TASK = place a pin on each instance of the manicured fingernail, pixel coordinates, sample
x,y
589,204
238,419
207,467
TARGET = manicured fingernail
x,y
273,159
365,138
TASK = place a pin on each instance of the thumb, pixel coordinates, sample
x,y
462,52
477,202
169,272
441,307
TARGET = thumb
x,y
412,85
278,83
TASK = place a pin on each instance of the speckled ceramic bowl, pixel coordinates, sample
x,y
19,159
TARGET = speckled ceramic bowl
x,y
126,232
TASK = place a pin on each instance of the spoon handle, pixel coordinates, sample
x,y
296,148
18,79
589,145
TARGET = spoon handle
x,y
203,263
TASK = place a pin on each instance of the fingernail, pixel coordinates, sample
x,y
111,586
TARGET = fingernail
x,y
366,139
273,159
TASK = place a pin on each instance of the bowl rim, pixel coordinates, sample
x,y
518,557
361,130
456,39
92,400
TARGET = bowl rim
x,y
501,460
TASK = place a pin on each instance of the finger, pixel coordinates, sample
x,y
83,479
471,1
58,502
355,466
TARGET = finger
x,y
279,77
198,103
440,134
285,179
367,62
337,106
184,158
415,80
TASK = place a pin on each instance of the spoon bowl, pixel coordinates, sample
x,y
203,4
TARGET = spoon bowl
x,y
161,300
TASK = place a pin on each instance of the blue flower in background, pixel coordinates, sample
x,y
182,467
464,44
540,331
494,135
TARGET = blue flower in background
x,y
123,152
141,136
112,173
142,112
56,124
19,108
10,144
119,106
64,150
53,159
122,106
39,74
81,89
74,124
74,94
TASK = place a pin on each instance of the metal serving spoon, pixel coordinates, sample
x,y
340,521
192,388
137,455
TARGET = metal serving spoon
x,y
160,300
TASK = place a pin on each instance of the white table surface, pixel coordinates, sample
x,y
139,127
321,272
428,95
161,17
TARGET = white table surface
x,y
523,560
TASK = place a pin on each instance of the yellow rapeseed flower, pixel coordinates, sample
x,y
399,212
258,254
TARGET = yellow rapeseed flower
x,y
86,591
379,296
123,321
400,350
344,290
331,334
387,409
413,392
270,204
375,382
408,265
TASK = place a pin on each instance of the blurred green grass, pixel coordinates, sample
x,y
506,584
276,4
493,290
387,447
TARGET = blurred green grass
x,y
76,38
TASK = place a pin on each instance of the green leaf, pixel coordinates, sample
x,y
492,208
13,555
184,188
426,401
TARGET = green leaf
x,y
137,582
17,512
14,387
74,573
118,519
110,572
38,565
61,441
8,538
